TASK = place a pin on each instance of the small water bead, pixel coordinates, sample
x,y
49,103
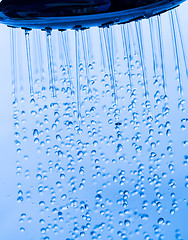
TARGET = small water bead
x,y
22,229
119,147
185,143
41,221
21,220
62,176
183,127
144,217
126,223
20,199
18,150
171,167
81,171
185,162
175,205
64,196
27,174
34,113
16,125
46,238
29,220
43,230
161,221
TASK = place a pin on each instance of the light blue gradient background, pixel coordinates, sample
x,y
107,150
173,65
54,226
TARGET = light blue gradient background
x,y
9,209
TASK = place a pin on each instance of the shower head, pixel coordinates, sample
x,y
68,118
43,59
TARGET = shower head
x,y
64,14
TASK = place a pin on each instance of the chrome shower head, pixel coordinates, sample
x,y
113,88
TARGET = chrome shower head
x,y
63,14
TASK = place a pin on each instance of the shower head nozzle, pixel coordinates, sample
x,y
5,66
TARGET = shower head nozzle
x,y
63,14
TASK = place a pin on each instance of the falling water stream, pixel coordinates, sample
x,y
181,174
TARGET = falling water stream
x,y
101,131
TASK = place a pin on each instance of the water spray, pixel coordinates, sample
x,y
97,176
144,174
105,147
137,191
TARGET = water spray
x,y
102,136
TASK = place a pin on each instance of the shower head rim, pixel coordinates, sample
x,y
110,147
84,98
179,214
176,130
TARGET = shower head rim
x,y
92,20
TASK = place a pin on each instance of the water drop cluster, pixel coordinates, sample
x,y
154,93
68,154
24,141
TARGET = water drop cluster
x,y
101,131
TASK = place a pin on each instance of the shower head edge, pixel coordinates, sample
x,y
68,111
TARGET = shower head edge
x,y
91,20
